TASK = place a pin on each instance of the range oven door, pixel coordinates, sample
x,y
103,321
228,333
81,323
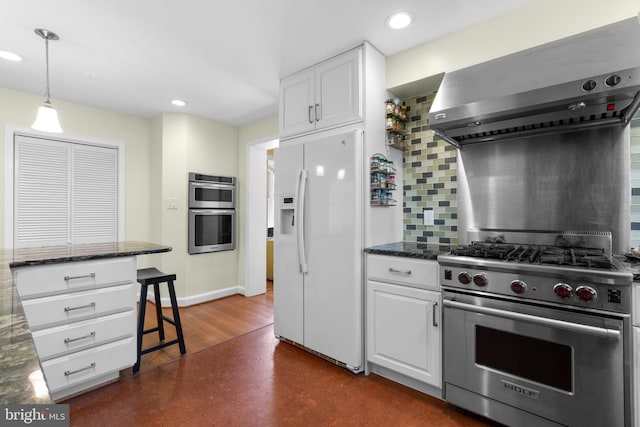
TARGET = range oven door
x,y
211,230
524,364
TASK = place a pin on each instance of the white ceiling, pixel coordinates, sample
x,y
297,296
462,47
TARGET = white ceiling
x,y
225,58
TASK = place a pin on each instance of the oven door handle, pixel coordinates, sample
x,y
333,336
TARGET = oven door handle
x,y
212,185
610,334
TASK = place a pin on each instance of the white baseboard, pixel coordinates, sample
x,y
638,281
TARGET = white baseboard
x,y
197,299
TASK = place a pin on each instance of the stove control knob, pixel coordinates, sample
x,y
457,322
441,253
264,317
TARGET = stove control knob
x,y
586,293
464,278
480,279
612,80
518,286
563,290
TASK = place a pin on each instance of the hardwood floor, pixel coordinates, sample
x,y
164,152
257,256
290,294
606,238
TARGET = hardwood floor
x,y
236,373
205,325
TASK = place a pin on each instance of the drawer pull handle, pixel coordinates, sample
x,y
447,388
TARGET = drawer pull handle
x,y
86,276
68,309
67,373
68,340
405,272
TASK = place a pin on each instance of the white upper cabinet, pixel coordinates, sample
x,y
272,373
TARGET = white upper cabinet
x,y
326,95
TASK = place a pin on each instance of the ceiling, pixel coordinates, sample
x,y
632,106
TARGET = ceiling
x,y
224,58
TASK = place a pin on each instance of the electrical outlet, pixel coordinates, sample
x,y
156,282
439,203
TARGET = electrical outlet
x,y
172,203
428,216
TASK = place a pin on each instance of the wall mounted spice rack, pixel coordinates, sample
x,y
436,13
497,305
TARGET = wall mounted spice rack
x,y
396,116
383,181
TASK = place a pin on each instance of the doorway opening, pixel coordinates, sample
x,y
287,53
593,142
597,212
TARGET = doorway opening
x,y
256,218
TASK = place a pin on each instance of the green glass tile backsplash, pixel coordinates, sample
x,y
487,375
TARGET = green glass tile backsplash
x,y
430,179
635,180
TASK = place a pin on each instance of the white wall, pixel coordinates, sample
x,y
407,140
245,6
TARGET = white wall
x,y
183,143
538,22
18,109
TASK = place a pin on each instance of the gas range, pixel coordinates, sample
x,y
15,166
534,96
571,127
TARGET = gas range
x,y
583,277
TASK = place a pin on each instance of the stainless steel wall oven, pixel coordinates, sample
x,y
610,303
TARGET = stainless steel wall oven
x,y
212,214
211,192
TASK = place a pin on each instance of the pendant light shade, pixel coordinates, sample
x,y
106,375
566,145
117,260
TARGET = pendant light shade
x,y
47,118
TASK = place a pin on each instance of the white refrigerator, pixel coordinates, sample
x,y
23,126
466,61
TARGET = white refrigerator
x,y
318,243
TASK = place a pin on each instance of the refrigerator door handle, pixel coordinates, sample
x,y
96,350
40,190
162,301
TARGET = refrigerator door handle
x,y
300,196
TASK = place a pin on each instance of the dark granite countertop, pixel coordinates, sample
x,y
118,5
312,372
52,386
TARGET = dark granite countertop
x,y
19,365
410,250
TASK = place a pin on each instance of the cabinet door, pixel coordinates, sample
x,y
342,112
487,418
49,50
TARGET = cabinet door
x,y
339,90
403,330
297,103
636,367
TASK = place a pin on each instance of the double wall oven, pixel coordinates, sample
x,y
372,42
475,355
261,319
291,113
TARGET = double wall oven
x,y
212,213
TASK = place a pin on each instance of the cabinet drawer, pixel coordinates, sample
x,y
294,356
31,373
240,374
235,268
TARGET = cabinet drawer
x,y
42,280
85,365
405,271
64,339
53,310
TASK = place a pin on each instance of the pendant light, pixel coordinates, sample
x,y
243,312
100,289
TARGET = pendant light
x,y
47,118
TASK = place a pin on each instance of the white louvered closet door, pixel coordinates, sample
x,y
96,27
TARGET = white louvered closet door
x,y
41,192
64,193
94,195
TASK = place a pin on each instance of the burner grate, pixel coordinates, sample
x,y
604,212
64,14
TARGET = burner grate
x,y
593,258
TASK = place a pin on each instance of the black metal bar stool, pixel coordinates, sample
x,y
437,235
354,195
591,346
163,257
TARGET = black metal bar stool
x,y
146,278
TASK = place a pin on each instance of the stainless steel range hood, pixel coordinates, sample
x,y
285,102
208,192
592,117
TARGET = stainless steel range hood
x,y
588,80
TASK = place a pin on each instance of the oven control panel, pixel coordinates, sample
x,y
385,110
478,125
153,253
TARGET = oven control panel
x,y
576,292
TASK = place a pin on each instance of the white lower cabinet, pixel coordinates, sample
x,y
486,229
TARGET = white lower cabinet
x,y
636,375
635,319
403,337
83,320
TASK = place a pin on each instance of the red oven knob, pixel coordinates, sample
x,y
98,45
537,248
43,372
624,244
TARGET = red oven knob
x,y
480,279
464,278
518,286
586,293
563,290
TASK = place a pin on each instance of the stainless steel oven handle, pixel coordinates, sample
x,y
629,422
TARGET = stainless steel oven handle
x,y
610,334
212,185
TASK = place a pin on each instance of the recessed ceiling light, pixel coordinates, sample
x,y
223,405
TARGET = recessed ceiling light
x,y
399,20
178,103
10,56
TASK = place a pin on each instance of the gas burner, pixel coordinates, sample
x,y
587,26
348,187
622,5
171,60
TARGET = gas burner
x,y
590,258
581,257
485,250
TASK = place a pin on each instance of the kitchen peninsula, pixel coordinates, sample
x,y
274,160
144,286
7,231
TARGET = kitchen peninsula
x,y
19,362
